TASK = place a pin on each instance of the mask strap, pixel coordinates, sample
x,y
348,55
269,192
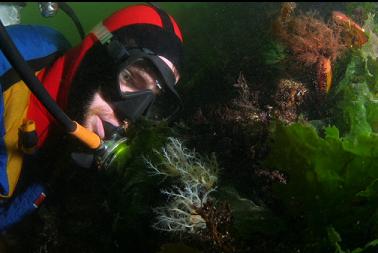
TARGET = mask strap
x,y
167,75
102,33
115,49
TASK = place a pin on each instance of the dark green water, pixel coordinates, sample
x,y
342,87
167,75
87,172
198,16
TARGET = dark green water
x,y
89,14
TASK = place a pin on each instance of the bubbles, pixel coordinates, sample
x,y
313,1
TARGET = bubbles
x,y
10,14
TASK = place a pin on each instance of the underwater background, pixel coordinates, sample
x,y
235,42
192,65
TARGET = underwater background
x,y
275,150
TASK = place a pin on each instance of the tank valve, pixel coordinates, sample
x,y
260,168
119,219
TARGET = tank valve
x,y
48,9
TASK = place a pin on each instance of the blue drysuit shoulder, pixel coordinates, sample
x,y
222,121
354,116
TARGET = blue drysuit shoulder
x,y
34,42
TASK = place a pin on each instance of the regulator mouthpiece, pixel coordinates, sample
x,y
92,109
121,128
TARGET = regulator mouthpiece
x,y
114,153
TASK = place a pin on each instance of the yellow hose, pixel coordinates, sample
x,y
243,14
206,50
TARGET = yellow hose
x,y
92,140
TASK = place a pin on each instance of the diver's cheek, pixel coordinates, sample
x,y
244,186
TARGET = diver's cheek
x,y
94,123
110,118
102,109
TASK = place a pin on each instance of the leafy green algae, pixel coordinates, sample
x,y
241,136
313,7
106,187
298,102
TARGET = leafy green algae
x,y
333,173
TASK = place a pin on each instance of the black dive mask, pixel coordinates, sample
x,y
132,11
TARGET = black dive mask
x,y
144,85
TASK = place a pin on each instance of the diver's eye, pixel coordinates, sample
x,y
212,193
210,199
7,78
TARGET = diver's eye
x,y
126,76
137,77
126,81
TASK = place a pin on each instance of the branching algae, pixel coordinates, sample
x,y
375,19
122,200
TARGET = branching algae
x,y
191,209
196,183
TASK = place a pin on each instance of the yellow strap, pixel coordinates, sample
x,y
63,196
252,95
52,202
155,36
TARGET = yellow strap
x,y
16,101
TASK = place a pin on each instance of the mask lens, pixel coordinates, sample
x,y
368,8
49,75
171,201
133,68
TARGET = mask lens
x,y
142,75
164,107
138,76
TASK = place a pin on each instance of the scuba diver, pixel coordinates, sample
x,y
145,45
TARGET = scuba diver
x,y
125,68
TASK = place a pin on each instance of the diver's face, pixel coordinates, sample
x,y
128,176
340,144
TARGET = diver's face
x,y
134,78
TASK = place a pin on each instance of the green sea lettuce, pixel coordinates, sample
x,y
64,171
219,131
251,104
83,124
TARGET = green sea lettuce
x,y
333,173
331,182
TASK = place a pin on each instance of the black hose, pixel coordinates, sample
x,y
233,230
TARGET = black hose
x,y
27,75
153,5
70,12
